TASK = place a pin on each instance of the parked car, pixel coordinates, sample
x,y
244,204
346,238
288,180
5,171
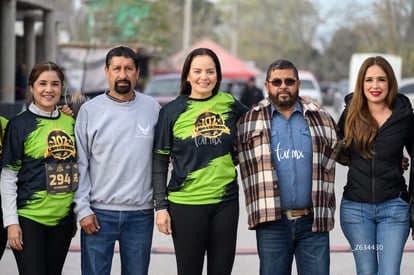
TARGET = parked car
x,y
309,86
341,92
166,87
163,87
235,86
328,90
406,87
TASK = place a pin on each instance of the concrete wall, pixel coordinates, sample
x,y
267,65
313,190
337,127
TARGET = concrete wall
x,y
34,44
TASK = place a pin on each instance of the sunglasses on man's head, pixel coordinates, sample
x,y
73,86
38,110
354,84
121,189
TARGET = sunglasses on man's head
x,y
277,82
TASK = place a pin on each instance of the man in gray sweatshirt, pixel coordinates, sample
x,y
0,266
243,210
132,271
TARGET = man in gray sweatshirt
x,y
114,136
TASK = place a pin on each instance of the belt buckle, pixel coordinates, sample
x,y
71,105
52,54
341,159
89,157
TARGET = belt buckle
x,y
290,217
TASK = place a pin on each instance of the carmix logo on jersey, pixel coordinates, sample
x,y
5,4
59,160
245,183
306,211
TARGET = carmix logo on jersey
x,y
60,145
208,129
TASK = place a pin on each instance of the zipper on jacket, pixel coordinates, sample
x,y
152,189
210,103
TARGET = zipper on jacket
x,y
373,176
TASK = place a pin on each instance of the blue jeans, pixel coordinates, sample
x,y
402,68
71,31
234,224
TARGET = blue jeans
x,y
279,241
377,233
132,229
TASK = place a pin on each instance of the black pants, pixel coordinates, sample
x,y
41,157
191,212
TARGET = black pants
x,y
3,234
198,229
44,248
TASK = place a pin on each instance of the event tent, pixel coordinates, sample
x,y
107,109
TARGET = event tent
x,y
231,66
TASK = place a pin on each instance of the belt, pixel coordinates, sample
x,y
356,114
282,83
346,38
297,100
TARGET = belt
x,y
297,213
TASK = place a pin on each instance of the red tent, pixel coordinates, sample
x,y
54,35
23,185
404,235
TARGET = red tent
x,y
231,66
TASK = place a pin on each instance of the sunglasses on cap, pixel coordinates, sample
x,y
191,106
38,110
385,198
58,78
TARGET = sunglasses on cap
x,y
277,82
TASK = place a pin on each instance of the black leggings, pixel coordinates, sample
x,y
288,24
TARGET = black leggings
x,y
44,248
3,234
198,229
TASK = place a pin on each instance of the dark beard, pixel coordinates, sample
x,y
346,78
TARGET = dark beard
x,y
123,89
285,103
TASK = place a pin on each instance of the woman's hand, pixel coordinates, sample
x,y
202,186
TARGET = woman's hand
x,y
405,163
163,222
66,110
15,236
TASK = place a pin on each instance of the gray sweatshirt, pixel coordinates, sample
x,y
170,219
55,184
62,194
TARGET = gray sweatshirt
x,y
114,145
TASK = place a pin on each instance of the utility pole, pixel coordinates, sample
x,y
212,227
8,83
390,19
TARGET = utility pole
x,y
234,28
187,25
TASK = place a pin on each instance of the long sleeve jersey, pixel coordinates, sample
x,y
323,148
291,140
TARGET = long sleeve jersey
x,y
34,142
198,134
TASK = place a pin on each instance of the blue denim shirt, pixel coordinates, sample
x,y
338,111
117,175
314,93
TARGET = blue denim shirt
x,y
292,154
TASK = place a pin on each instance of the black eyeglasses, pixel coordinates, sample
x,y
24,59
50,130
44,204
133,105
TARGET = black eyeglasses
x,y
277,82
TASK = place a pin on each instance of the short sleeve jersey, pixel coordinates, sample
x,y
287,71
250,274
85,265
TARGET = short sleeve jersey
x,y
31,142
199,136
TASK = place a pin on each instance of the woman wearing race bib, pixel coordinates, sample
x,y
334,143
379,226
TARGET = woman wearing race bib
x,y
39,177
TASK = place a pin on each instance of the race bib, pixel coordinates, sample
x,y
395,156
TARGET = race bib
x,y
61,178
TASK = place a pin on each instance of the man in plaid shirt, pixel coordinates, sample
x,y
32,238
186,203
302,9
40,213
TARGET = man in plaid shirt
x,y
287,149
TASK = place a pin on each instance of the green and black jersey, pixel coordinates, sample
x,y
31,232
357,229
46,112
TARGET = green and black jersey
x,y
199,137
3,124
32,145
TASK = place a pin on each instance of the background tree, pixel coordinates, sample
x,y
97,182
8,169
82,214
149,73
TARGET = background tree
x,y
333,64
409,44
151,23
385,28
271,29
267,29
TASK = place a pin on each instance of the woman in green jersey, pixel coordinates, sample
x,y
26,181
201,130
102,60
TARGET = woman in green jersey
x,y
39,177
200,207
3,231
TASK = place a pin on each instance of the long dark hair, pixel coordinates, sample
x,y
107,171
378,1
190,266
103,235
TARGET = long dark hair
x,y
185,87
360,125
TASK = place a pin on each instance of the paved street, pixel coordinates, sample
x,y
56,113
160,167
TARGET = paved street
x,y
246,262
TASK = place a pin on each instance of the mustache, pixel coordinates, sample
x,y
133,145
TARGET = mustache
x,y
123,81
284,91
